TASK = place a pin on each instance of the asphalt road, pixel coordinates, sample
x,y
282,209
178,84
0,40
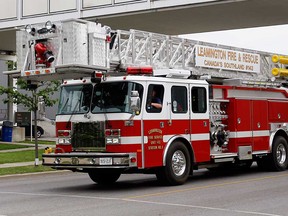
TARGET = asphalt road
x,y
206,193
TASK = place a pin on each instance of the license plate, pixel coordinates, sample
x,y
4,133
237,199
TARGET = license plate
x,y
105,161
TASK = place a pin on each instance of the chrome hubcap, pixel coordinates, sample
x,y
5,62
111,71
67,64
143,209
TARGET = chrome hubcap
x,y
178,163
281,154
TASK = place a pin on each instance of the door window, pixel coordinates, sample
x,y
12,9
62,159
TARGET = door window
x,y
199,103
179,99
154,98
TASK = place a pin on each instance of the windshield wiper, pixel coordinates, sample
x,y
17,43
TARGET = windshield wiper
x,y
65,104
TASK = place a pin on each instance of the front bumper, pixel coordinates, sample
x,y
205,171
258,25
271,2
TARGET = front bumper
x,y
82,160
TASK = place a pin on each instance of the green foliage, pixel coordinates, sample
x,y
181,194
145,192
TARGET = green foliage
x,y
11,65
11,146
30,101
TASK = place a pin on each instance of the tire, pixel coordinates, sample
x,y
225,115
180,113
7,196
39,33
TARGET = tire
x,y
104,176
178,165
278,160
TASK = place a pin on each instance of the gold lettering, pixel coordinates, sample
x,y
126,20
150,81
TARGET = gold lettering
x,y
232,56
211,52
155,130
250,58
152,147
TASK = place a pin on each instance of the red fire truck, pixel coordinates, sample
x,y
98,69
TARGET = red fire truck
x,y
141,102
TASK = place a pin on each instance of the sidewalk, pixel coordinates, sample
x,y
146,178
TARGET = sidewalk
x,y
29,163
8,165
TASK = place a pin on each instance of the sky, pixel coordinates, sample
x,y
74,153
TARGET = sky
x,y
269,39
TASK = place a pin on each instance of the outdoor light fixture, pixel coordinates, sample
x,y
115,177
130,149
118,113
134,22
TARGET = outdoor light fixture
x,y
30,30
50,26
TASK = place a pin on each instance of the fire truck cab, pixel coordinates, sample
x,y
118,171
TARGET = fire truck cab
x,y
140,102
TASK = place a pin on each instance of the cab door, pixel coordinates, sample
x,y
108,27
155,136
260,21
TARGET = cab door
x,y
155,124
178,111
200,130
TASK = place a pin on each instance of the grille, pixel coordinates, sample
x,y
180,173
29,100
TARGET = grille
x,y
88,136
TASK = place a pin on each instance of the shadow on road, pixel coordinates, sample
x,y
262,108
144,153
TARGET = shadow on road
x,y
143,182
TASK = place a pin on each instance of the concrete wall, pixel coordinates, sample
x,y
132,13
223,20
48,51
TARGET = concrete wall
x,y
3,82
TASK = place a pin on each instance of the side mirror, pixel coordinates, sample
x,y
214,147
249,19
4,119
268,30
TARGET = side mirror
x,y
135,102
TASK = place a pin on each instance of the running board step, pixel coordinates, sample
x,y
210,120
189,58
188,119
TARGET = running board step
x,y
224,157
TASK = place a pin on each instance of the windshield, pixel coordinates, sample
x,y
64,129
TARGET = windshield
x,y
75,99
111,97
114,97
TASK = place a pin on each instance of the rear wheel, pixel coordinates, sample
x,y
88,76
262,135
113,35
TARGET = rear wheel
x,y
104,176
178,165
278,160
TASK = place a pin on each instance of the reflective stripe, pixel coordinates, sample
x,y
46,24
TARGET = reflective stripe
x,y
198,137
166,138
194,137
240,134
261,133
133,140
245,134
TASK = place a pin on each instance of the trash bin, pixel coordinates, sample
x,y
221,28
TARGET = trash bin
x,y
7,130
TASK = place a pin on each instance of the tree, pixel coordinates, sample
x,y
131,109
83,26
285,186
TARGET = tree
x,y
31,100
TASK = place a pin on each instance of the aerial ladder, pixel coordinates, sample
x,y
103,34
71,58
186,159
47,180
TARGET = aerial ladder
x,y
77,48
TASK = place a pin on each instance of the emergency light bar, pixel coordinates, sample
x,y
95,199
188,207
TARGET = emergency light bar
x,y
139,70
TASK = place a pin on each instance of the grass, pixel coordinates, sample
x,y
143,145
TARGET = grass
x,y
24,169
21,156
39,142
4,146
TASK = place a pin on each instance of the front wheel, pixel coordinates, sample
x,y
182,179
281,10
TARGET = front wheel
x,y
278,160
178,165
104,176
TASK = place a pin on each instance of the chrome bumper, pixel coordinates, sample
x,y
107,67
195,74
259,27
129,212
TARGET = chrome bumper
x,y
81,160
